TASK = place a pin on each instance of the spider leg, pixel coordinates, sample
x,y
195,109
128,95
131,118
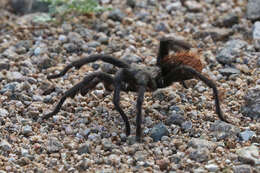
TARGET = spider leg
x,y
208,82
141,80
91,58
167,43
140,99
116,99
81,87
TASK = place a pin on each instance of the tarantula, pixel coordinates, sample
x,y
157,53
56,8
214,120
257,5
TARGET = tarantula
x,y
177,67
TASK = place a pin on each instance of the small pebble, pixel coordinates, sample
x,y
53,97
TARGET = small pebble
x,y
158,131
246,135
27,130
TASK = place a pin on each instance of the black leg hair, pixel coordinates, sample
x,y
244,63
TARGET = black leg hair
x,y
81,87
167,43
139,103
116,99
91,58
207,81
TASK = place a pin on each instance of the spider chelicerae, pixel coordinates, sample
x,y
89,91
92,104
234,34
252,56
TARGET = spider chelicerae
x,y
179,66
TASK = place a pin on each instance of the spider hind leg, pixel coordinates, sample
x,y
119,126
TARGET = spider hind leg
x,y
189,71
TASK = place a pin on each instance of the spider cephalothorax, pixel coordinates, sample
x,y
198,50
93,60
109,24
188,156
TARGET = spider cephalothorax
x,y
177,67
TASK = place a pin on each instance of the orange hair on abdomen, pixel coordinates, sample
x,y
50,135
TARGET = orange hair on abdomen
x,y
187,58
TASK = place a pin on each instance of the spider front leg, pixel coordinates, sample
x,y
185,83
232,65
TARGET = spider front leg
x,y
89,82
116,99
190,71
139,79
92,58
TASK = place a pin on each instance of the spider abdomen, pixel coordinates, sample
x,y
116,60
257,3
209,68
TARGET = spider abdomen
x,y
187,58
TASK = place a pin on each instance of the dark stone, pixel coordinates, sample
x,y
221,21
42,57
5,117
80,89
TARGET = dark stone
x,y
54,145
131,140
249,154
84,148
223,130
229,71
227,20
246,135
20,50
201,143
76,38
143,16
5,147
252,104
132,58
71,47
253,10
4,66
175,159
175,119
158,131
172,7
186,126
242,169
107,145
83,165
27,130
116,15
159,95
103,39
230,51
93,44
41,49
123,137
23,46
100,27
9,87
200,155
131,3
86,132
152,2
161,27
175,108
86,34
217,34
44,62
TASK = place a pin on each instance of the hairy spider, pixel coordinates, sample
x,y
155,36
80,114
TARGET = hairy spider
x,y
177,67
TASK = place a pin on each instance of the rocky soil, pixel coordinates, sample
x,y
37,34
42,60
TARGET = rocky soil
x,y
181,130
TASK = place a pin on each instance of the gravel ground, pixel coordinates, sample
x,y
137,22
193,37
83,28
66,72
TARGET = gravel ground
x,y
182,133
